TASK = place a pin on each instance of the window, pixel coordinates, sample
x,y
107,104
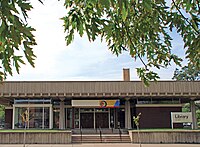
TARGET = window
x,y
32,117
32,112
32,101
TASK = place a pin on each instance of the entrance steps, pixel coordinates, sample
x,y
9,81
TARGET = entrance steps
x,y
103,131
106,138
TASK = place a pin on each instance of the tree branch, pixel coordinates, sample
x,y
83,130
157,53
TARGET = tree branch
x,y
129,37
41,1
184,17
198,5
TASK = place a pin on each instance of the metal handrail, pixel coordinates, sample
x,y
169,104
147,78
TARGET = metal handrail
x,y
81,132
120,133
100,133
112,126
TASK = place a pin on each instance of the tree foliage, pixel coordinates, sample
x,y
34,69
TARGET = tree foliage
x,y
2,113
186,108
187,73
141,27
15,36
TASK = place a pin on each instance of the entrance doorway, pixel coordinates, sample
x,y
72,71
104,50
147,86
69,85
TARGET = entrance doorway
x,y
121,118
94,117
87,120
102,120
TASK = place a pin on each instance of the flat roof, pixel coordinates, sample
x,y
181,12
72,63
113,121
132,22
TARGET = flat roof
x,y
91,89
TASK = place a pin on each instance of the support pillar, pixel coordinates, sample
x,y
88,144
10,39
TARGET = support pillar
x,y
127,114
13,119
62,115
51,118
194,117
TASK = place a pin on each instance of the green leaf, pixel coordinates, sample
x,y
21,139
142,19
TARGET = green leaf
x,y
2,76
105,3
124,13
70,37
14,32
147,4
2,27
17,60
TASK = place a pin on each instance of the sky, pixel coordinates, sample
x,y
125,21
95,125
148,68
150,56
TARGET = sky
x,y
80,61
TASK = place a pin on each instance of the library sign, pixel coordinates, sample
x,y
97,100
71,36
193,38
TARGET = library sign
x,y
181,117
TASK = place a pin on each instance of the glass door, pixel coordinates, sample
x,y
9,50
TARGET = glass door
x,y
87,120
102,120
68,117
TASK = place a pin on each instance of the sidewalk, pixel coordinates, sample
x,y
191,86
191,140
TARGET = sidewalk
x,y
101,145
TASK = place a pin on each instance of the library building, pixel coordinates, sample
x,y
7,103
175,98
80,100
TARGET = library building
x,y
96,104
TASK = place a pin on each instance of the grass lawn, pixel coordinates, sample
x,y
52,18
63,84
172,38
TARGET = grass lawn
x,y
167,130
141,130
33,130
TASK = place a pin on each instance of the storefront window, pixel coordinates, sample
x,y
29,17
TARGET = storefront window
x,y
68,120
76,121
56,112
158,101
46,117
19,122
37,117
32,101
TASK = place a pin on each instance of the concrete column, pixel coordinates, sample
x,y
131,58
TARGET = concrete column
x,y
50,117
62,115
13,119
127,114
194,117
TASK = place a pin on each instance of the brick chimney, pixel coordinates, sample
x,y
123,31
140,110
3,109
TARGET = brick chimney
x,y
126,74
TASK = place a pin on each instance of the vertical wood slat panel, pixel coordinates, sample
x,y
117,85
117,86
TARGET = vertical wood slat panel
x,y
167,137
36,138
160,87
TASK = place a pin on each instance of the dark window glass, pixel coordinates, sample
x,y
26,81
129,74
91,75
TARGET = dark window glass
x,y
32,101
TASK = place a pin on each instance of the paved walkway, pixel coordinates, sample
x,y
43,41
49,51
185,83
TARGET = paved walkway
x,y
101,145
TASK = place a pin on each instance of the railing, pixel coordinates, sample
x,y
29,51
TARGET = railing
x,y
112,125
120,133
81,132
100,133
96,128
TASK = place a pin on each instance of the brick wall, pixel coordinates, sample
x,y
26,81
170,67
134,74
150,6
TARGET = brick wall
x,y
8,118
157,117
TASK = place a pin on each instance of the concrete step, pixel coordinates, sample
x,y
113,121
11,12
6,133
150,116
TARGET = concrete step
x,y
96,131
91,138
